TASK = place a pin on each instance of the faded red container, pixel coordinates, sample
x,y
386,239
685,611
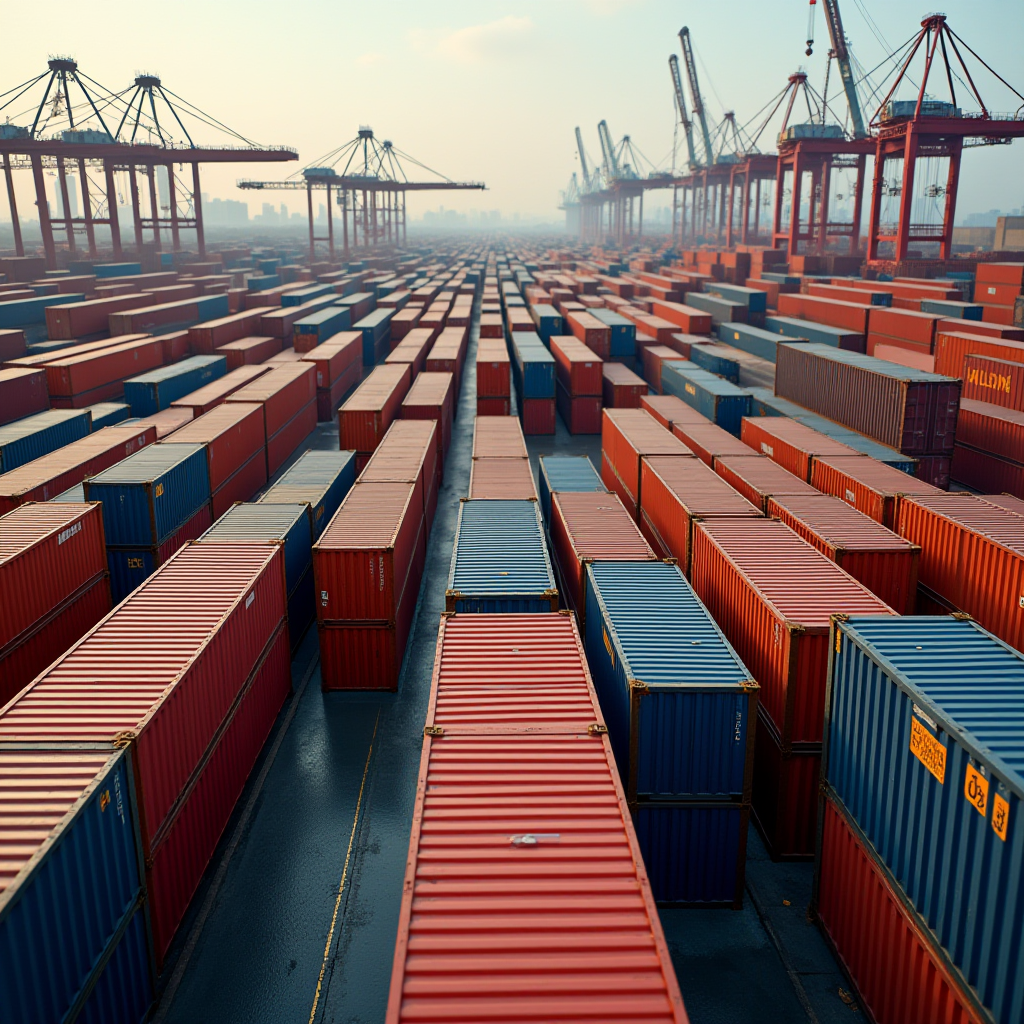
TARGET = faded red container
x,y
280,323
370,410
213,394
627,438
288,396
708,441
404,321
413,349
493,369
990,428
22,392
678,493
985,472
79,319
918,328
773,595
972,556
623,389
996,381
590,331
490,781
364,618
758,479
872,929
337,357
851,316
951,325
491,325
244,351
282,445
408,454
874,556
12,345
1007,501
591,527
668,409
578,369
951,349
867,485
77,349
498,437
188,838
581,414
449,355
163,670
793,445
510,479
692,321
653,357
431,398
538,415
80,378
165,422
176,347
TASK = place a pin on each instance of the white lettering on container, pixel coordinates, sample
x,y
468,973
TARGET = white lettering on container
x,y
68,533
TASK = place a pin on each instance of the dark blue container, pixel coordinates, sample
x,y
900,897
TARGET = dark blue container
x,y
533,365
823,334
924,747
155,390
549,322
719,400
106,414
755,340
212,307
297,298
72,920
500,561
16,313
565,473
711,358
958,310
113,269
319,480
679,703
152,493
323,323
35,436
754,299
376,330
261,282
623,333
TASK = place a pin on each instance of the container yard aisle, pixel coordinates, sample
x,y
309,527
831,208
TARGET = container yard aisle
x,y
335,806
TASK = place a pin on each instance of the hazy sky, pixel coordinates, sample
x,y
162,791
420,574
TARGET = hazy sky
x,y
486,90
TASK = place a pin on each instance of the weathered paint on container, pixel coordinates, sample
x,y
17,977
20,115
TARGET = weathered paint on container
x,y
925,749
35,436
510,479
793,445
667,409
577,367
708,441
498,437
493,369
500,561
758,478
867,485
565,473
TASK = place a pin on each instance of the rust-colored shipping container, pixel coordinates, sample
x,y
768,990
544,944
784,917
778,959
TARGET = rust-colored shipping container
x,y
678,493
793,445
431,397
867,485
213,394
46,477
590,331
12,345
874,556
577,368
538,415
80,319
176,347
628,437
1007,501
692,321
22,392
708,441
408,454
508,479
339,367
413,349
254,349
498,437
623,389
952,348
653,357
493,369
491,325
581,414
364,619
370,410
482,934
75,349
991,428
758,478
590,526
773,594
86,379
669,409
404,321
165,422
283,392
280,323
996,381
972,557
448,355
884,947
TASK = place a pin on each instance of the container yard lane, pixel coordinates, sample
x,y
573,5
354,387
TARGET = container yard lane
x,y
298,922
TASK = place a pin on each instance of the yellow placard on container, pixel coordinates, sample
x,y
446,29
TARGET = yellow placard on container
x,y
1000,816
976,789
928,750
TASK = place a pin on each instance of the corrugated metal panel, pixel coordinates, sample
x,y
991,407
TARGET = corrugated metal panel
x,y
723,403
565,473
500,561
69,877
926,750
497,437
35,436
150,392
106,414
793,445
758,478
320,480
510,479
151,493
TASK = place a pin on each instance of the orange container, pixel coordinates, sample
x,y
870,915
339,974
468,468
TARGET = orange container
x,y
668,409
408,454
950,350
577,367
793,445
708,441
365,417
597,336
496,437
758,479
867,485
510,479
623,389
692,321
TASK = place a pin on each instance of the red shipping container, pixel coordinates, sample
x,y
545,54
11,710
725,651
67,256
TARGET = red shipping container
x,y
996,294
591,332
581,414
80,319
884,947
413,349
951,325
868,485
430,398
84,375
284,443
165,422
78,349
176,346
408,454
692,321
209,396
283,392
994,314
491,325
850,316
577,368
370,410
544,774
404,321
950,350
758,478
874,556
538,415
12,345
447,356
668,409
494,407
793,445
591,527
972,556
627,438
1001,272
892,351
363,620
918,328
708,441
328,399
279,323
623,389
1007,501
493,369
653,358
498,437
985,472
163,670
46,477
773,595
245,351
508,479
678,493
996,381
22,392
660,330
340,357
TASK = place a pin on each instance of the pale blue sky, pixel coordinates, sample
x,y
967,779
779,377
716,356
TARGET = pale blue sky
x,y
486,90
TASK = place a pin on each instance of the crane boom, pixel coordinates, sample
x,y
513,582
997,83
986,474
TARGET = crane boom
x,y
677,84
698,103
583,159
607,150
842,55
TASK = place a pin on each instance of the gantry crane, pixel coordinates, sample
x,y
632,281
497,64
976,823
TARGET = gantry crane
x,y
698,102
583,159
841,52
684,117
611,167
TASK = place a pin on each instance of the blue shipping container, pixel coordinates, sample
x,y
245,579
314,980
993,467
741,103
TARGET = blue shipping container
x,y
924,746
323,323
754,299
679,703
623,333
319,480
755,340
151,392
376,330
958,310
297,298
719,400
212,307
722,310
114,269
72,927
823,334
500,561
533,365
711,358
152,493
16,313
565,473
549,322
261,282
35,436
106,414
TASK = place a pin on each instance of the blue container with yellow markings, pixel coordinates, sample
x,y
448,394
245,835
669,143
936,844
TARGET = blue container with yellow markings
x,y
924,747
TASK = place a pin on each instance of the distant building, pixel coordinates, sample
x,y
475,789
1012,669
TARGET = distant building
x,y
224,211
1009,233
